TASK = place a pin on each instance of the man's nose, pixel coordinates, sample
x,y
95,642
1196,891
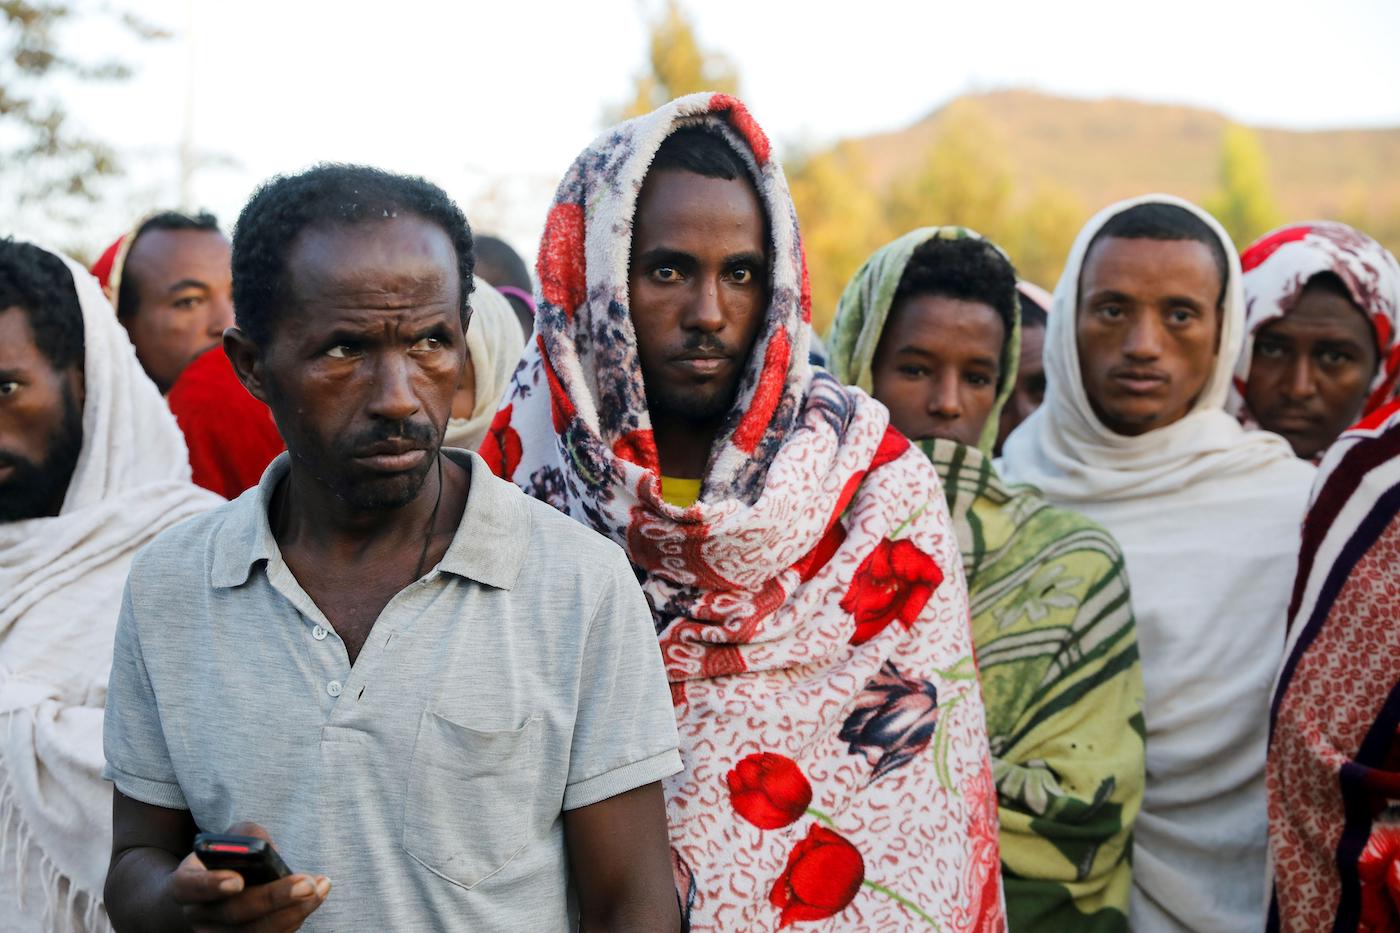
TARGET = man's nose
x,y
394,398
944,401
1144,338
1301,384
705,311
220,317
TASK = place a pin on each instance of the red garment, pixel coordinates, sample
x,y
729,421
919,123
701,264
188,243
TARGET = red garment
x,y
230,435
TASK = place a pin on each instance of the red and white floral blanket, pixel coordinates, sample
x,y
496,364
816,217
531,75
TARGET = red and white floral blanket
x,y
811,606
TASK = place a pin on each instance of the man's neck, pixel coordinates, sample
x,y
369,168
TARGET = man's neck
x,y
683,446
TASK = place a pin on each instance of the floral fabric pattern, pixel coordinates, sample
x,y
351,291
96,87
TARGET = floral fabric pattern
x,y
1334,744
1056,651
808,497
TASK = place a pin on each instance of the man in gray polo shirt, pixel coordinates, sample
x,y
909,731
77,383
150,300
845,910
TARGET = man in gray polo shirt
x,y
428,690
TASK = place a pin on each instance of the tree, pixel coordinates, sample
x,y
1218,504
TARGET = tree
x,y
965,178
842,221
43,157
1244,205
1042,233
676,66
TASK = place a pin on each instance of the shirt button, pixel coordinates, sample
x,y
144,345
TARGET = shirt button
x,y
319,633
333,688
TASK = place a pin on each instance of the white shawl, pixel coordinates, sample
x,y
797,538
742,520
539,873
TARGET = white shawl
x,y
61,583
1208,516
494,343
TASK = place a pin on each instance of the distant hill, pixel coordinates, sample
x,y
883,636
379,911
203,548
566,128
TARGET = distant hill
x,y
1029,169
1105,150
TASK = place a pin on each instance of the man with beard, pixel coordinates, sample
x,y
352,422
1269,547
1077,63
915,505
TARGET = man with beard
x,y
797,553
425,687
91,468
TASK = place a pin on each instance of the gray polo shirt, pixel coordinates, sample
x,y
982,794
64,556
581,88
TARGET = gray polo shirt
x,y
518,679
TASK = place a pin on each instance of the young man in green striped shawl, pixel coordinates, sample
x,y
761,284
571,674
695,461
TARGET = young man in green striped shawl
x,y
929,326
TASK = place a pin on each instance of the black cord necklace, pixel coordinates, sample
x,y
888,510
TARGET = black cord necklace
x,y
432,522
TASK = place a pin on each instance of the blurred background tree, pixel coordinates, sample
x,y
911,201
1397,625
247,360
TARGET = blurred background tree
x,y
44,157
676,66
1244,204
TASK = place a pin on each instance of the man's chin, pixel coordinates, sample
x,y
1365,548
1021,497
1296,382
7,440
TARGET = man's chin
x,y
380,492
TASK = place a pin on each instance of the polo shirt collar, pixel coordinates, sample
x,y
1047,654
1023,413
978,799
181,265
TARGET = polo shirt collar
x,y
489,546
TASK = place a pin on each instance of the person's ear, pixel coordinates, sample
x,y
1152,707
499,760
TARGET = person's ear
x,y
247,362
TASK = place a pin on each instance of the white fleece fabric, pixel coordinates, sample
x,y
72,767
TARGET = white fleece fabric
x,y
1208,516
61,581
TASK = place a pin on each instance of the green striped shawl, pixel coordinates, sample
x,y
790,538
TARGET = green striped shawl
x,y
1056,649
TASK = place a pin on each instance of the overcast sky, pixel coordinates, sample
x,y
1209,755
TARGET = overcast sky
x,y
493,101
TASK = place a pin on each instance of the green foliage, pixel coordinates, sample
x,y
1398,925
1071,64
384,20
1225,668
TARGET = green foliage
x,y
676,66
1244,205
964,178
843,222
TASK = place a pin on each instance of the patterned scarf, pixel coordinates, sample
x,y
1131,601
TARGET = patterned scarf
x,y
1278,267
1056,649
810,606
1334,747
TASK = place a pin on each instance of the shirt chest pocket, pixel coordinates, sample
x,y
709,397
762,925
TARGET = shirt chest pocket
x,y
470,796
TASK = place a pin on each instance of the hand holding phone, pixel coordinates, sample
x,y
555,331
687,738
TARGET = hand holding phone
x,y
253,858
225,898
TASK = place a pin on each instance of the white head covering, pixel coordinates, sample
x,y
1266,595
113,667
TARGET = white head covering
x,y
61,581
1208,516
1072,456
495,343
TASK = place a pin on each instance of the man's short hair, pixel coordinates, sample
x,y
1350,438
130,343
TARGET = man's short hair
x,y
965,269
40,284
203,222
702,151
497,254
1154,221
327,194
1032,314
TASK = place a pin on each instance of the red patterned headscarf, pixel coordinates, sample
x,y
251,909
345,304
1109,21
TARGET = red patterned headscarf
x,y
810,606
1279,265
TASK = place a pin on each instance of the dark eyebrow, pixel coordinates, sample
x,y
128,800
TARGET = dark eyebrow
x,y
1185,300
1109,295
664,255
1343,344
188,283
748,258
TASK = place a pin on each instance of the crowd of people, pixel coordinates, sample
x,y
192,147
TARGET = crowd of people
x,y
616,598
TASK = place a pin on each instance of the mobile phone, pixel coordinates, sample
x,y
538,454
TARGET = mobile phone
x,y
253,858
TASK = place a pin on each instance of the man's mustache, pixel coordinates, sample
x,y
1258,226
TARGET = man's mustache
x,y
417,433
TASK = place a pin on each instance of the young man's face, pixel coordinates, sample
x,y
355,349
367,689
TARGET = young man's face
x,y
937,365
1148,329
698,290
365,356
41,423
184,299
1311,370
1029,391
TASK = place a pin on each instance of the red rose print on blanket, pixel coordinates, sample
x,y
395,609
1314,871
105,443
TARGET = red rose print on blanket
x,y
501,447
769,790
563,279
895,581
824,872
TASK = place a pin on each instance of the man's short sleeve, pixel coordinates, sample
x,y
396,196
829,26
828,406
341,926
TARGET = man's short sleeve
x,y
138,761
625,729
